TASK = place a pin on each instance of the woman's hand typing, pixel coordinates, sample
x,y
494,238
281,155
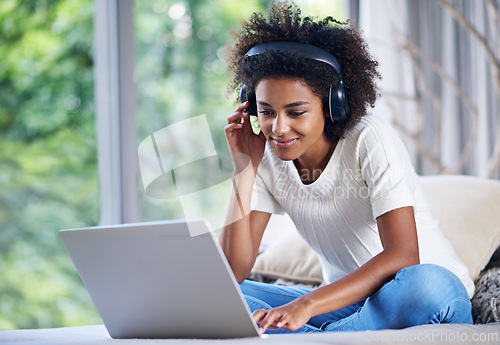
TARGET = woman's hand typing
x,y
290,316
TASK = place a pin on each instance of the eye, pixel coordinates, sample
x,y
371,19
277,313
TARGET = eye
x,y
297,113
264,112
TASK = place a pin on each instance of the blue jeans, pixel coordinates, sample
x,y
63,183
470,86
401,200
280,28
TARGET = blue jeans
x,y
417,295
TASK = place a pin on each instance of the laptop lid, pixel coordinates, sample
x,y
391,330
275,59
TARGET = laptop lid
x,y
167,279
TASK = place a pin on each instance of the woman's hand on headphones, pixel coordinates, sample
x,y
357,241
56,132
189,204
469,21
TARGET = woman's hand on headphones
x,y
241,139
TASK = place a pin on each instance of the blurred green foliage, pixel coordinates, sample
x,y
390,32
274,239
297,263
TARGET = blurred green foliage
x,y
48,160
48,149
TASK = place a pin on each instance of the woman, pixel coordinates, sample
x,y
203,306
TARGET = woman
x,y
344,178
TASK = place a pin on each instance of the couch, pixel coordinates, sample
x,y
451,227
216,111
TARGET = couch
x,y
468,209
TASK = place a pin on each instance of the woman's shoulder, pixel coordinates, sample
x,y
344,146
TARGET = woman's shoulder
x,y
372,122
375,139
373,127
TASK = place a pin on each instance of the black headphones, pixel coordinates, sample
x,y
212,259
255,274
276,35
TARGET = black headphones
x,y
339,108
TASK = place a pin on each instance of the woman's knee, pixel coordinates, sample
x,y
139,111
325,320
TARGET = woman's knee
x,y
432,282
437,290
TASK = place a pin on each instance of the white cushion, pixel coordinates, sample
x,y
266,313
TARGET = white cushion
x,y
290,258
468,209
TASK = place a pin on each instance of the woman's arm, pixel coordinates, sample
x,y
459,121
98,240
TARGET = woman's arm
x,y
240,242
241,237
398,234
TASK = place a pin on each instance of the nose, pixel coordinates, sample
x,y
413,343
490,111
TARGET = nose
x,y
280,125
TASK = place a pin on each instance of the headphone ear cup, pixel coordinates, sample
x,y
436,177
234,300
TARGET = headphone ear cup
x,y
339,107
243,93
250,97
252,104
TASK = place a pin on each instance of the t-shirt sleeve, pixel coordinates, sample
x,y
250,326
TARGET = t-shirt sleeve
x,y
262,198
386,168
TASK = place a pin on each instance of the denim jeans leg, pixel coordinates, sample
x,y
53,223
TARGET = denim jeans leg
x,y
419,294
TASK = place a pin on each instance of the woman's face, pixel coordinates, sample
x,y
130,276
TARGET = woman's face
x,y
292,120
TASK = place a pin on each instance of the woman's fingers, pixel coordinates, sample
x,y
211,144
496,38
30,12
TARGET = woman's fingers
x,y
268,319
283,321
236,117
242,106
258,315
290,316
230,127
238,114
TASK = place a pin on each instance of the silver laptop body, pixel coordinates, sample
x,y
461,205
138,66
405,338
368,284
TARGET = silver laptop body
x,y
167,279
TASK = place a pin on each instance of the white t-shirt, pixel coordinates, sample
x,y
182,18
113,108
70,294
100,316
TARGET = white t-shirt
x,y
368,175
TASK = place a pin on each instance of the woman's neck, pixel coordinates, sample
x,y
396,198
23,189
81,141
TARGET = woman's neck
x,y
310,168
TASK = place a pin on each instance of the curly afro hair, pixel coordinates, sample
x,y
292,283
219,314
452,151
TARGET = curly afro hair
x,y
285,23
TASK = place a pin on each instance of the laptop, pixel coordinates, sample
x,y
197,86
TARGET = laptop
x,y
166,279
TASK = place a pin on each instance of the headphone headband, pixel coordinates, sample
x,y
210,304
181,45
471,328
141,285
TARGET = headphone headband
x,y
306,50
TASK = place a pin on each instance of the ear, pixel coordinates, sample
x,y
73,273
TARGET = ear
x,y
325,105
326,114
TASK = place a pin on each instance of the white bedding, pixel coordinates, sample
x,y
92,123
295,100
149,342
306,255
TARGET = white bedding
x,y
427,334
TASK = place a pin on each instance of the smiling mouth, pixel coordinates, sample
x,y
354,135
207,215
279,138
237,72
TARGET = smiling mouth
x,y
284,143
